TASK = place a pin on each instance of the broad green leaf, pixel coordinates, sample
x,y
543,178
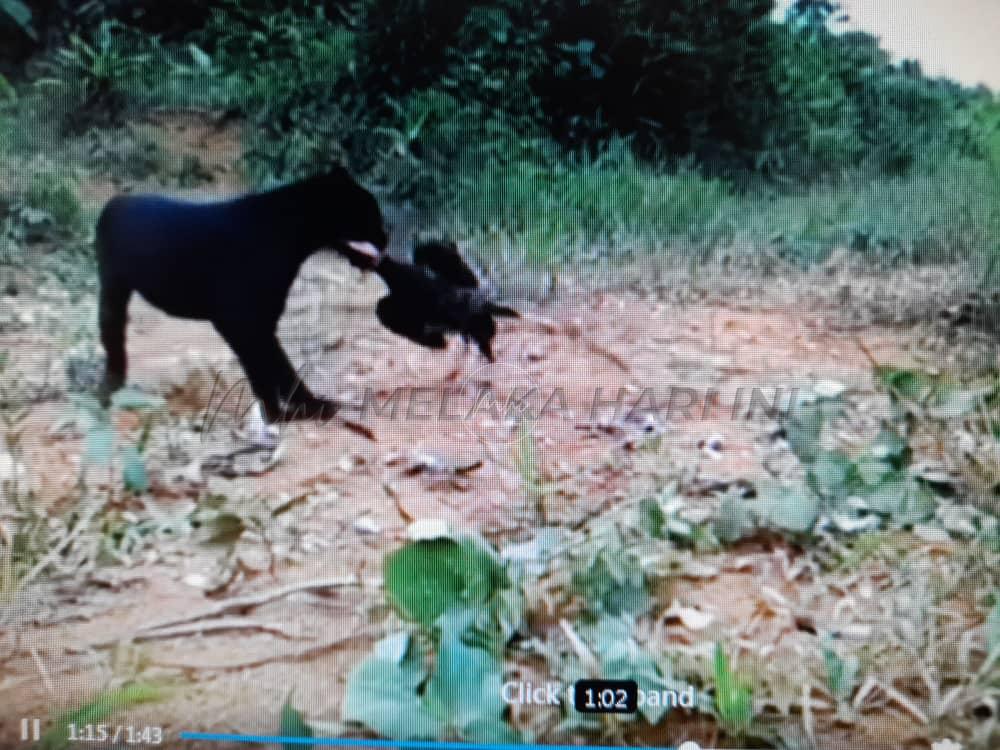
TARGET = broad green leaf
x,y
920,505
134,470
910,385
652,519
383,692
872,471
832,474
788,508
85,405
425,579
889,496
901,498
99,444
293,725
803,431
465,689
492,731
735,519
613,582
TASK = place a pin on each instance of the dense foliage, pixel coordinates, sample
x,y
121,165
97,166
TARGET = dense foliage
x,y
722,81
430,98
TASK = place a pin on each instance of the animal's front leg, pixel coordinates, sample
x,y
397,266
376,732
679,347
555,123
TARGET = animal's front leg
x,y
272,377
284,396
294,399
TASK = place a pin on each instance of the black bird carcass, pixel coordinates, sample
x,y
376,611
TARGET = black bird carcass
x,y
436,295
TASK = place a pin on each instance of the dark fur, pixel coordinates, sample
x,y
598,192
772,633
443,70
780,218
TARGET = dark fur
x,y
436,295
230,262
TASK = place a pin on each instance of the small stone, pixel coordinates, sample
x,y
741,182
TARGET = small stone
x,y
427,529
829,388
367,525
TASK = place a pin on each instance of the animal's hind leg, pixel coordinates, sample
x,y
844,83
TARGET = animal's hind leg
x,y
112,319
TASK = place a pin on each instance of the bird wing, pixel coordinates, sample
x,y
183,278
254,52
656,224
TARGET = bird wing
x,y
445,261
399,317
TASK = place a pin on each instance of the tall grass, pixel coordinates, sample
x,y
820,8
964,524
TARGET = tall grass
x,y
561,210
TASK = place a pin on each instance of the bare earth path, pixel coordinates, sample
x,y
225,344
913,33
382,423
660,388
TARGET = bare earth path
x,y
164,616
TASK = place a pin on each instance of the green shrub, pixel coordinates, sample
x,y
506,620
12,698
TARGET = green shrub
x,y
127,154
101,71
56,196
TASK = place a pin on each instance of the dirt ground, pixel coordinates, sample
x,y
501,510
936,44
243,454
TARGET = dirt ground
x,y
241,631
636,376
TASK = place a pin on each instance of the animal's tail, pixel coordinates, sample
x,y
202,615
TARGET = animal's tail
x,y
505,312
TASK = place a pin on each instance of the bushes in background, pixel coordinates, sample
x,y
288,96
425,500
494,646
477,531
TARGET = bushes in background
x,y
622,118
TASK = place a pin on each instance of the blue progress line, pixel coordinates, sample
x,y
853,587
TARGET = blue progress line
x,y
400,744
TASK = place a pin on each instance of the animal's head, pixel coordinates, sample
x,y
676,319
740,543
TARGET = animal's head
x,y
348,217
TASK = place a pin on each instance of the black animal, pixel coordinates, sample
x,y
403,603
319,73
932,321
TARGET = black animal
x,y
232,262
435,295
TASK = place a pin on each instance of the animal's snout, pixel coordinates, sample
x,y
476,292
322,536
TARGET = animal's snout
x,y
365,248
364,255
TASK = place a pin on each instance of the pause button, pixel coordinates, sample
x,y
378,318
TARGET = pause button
x,y
31,729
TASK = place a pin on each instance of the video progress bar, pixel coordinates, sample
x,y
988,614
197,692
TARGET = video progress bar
x,y
400,744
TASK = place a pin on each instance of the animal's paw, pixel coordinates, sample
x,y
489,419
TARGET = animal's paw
x,y
321,409
310,407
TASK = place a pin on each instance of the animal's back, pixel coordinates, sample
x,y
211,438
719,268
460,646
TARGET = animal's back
x,y
184,257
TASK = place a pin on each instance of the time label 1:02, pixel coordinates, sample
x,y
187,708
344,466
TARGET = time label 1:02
x,y
606,696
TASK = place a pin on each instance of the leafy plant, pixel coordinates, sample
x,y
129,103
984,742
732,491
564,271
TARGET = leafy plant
x,y
100,70
127,154
459,594
609,575
55,196
393,693
101,438
612,639
18,13
425,580
870,490
662,517
939,396
733,696
993,630
383,691
841,672
293,725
